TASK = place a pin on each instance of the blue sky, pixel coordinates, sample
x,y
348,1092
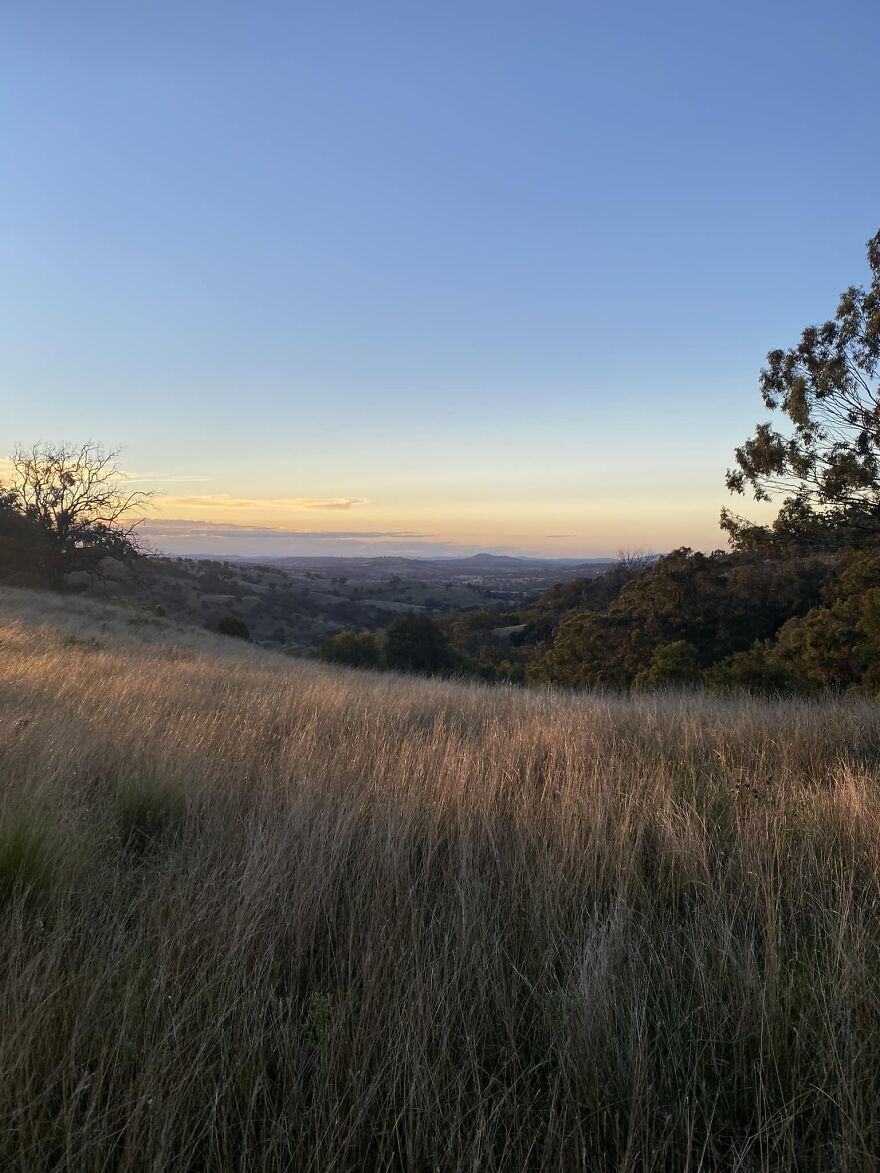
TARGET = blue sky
x,y
469,275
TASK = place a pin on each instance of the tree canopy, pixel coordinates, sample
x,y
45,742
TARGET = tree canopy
x,y
824,459
77,498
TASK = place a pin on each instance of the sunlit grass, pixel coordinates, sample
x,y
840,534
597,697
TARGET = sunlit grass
x,y
334,921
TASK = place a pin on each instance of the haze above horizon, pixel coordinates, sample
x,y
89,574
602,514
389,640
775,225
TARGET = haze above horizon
x,y
424,280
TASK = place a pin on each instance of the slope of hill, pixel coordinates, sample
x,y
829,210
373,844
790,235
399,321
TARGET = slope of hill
x,y
292,604
263,914
284,608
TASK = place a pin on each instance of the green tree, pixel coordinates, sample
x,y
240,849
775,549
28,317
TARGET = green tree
x,y
357,649
718,603
826,648
758,670
675,664
826,460
416,643
232,625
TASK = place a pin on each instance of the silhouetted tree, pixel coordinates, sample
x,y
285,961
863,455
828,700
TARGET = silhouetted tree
x,y
77,498
23,546
415,643
826,388
232,625
357,649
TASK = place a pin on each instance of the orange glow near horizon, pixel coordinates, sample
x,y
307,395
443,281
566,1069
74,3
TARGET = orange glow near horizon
x,y
568,528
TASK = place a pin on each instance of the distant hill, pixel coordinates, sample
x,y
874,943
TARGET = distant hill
x,y
546,570
294,604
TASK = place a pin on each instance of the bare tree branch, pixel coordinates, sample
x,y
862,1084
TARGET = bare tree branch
x,y
77,497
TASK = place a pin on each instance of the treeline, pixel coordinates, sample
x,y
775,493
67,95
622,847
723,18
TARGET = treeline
x,y
728,621
414,642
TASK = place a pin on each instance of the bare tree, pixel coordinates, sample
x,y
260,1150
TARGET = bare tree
x,y
77,496
633,562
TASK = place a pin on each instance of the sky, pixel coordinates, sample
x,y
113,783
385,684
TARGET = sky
x,y
376,278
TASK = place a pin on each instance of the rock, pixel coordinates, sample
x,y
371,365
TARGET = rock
x,y
113,569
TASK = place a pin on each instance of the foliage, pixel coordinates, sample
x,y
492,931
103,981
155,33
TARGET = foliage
x,y
24,547
356,649
233,626
77,499
415,642
827,460
675,664
835,645
719,604
756,671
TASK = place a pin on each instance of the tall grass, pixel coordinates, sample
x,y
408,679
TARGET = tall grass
x,y
388,923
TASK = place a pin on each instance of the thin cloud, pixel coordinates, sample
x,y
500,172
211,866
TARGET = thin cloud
x,y
160,478
176,536
176,528
292,504
213,501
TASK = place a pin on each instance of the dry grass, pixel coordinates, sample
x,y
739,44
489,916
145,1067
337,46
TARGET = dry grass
x,y
261,915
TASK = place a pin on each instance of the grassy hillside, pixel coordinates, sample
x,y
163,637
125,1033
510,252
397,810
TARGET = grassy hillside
x,y
285,608
261,914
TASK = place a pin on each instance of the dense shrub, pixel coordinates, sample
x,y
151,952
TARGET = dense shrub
x,y
23,549
232,625
721,606
756,671
416,643
672,665
836,646
357,649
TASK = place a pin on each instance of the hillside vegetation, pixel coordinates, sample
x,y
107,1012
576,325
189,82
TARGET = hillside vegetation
x,y
264,914
784,622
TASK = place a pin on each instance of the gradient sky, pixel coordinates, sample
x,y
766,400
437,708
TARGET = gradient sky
x,y
424,276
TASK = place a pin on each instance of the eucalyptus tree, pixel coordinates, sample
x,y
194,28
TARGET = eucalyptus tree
x,y
820,452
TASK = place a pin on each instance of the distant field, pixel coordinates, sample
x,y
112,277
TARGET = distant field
x,y
291,609
259,914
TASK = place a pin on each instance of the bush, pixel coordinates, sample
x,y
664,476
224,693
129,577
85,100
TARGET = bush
x,y
825,647
756,671
357,649
415,643
232,625
674,664
23,548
